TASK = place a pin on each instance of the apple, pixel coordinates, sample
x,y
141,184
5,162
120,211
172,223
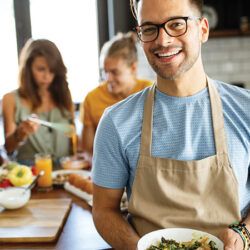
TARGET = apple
x,y
20,175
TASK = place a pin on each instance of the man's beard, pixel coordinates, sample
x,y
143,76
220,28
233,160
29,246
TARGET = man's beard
x,y
171,75
185,66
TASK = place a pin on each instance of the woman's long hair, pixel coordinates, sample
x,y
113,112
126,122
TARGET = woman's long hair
x,y
59,87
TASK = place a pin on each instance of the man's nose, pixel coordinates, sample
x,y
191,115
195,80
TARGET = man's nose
x,y
163,37
109,76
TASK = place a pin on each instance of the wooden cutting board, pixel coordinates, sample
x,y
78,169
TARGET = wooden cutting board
x,y
39,221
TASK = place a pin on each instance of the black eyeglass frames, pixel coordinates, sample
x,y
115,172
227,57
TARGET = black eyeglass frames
x,y
174,27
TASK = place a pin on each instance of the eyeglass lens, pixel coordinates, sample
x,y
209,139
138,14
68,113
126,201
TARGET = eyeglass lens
x,y
174,27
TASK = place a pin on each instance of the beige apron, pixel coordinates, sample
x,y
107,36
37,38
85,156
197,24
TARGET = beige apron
x,y
169,193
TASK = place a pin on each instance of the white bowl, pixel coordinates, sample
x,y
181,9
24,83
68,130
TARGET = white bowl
x,y
177,234
73,162
14,197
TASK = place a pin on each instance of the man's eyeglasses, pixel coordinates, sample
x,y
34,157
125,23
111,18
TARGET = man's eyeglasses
x,y
174,27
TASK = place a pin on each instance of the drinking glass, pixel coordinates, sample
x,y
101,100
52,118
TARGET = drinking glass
x,y
44,162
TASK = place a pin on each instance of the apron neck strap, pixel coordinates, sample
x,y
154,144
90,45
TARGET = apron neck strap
x,y
147,124
217,121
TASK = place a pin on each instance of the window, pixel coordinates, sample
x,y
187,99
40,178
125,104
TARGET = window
x,y
72,26
8,48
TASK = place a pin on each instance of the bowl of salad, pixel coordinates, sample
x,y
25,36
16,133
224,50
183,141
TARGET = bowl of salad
x,y
179,238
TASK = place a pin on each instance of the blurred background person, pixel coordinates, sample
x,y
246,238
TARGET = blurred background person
x,y
119,62
43,91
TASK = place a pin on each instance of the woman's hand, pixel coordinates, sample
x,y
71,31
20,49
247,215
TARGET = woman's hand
x,y
231,240
25,129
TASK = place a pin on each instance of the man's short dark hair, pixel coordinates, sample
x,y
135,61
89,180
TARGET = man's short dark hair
x,y
134,3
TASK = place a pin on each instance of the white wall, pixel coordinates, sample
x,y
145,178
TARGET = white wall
x,y
228,59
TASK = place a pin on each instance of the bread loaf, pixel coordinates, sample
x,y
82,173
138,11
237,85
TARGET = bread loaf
x,y
83,183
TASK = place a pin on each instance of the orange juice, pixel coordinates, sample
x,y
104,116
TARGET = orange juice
x,y
44,162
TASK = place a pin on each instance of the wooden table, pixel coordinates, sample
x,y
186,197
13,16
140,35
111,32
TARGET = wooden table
x,y
78,232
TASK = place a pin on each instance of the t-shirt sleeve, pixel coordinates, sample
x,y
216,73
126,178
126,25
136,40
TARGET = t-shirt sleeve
x,y
85,113
110,167
147,83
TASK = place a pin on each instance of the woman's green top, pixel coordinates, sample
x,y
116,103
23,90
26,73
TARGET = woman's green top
x,y
44,140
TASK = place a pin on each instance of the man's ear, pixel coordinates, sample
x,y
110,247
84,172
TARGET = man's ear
x,y
204,30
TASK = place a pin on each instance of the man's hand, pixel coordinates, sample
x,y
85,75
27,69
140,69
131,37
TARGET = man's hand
x,y
231,240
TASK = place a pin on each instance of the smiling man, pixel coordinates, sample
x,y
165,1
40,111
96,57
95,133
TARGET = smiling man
x,y
181,148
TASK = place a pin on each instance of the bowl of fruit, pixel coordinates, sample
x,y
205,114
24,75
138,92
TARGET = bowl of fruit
x,y
14,180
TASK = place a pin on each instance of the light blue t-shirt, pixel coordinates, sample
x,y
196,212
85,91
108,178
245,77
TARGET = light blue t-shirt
x,y
182,130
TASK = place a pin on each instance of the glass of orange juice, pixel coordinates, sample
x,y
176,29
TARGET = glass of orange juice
x,y
44,162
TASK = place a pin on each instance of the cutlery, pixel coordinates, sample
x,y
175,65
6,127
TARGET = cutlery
x,y
65,128
33,183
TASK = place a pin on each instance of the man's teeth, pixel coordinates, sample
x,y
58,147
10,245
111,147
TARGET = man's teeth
x,y
172,53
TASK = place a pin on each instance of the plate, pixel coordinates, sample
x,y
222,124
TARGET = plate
x,y
78,192
59,177
178,234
